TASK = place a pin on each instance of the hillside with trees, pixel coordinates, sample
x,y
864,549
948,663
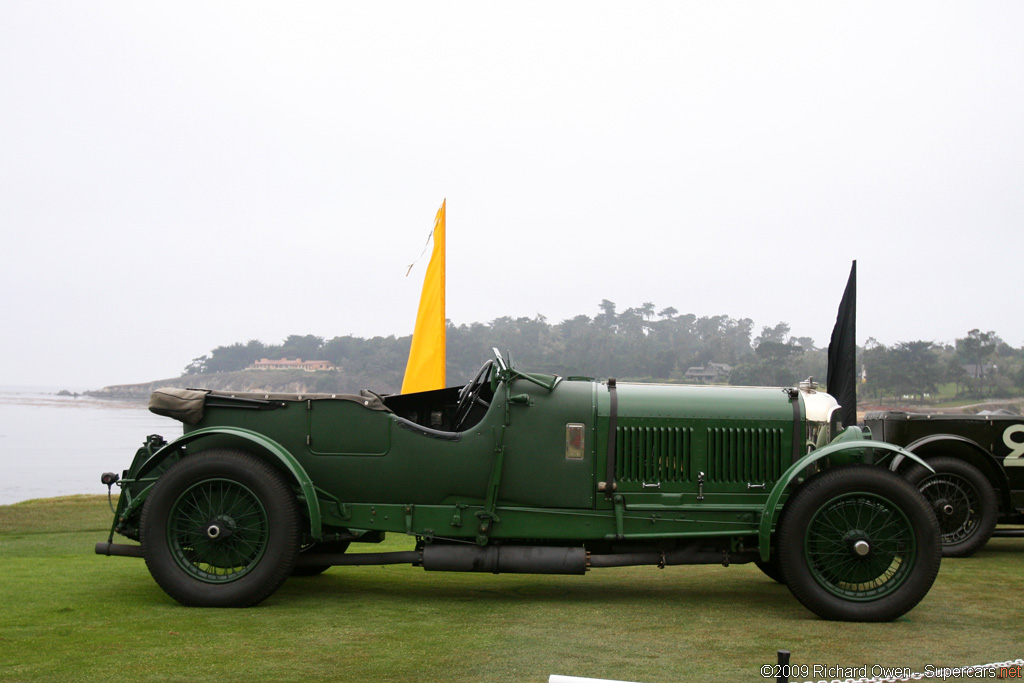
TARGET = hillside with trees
x,y
641,343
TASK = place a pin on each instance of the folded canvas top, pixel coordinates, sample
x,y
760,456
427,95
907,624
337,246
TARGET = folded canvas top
x,y
187,405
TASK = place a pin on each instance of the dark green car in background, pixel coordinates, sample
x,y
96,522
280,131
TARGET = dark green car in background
x,y
976,480
527,473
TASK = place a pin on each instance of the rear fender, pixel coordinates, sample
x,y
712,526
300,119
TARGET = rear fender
x,y
849,447
965,449
258,445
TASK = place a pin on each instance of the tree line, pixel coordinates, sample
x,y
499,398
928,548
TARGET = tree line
x,y
646,344
978,365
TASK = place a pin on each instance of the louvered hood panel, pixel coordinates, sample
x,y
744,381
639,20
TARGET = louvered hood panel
x,y
687,402
650,454
745,455
672,438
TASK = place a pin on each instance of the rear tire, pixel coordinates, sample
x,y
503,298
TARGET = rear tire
x,y
220,529
858,543
311,570
964,501
317,569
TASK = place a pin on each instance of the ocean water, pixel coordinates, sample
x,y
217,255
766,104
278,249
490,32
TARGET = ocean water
x,y
60,445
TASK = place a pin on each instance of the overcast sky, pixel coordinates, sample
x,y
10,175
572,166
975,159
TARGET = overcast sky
x,y
177,176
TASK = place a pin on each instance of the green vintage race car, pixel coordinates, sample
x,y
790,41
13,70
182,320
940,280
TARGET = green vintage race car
x,y
530,473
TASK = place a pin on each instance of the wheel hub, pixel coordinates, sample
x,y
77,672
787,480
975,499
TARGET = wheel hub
x,y
858,543
943,507
218,529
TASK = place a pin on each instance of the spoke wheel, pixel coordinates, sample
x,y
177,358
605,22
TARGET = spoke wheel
x,y
217,530
964,502
858,543
220,529
859,546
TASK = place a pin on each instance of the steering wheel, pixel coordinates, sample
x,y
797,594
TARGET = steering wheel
x,y
471,395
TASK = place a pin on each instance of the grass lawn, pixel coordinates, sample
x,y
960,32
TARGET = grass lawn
x,y
68,614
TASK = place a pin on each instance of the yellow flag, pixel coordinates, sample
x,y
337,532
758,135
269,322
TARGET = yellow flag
x,y
425,370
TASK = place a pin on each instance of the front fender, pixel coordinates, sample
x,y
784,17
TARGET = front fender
x,y
836,447
262,444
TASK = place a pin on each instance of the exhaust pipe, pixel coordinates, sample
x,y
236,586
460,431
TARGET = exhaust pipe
x,y
119,549
505,559
357,559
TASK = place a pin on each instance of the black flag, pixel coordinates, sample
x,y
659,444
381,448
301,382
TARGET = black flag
x,y
841,378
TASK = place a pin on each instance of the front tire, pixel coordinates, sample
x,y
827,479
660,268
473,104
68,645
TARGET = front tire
x,y
858,543
771,567
964,502
220,529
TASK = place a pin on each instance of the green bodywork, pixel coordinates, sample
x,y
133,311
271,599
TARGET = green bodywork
x,y
690,461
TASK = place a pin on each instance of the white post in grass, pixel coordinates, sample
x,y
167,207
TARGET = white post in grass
x,y
555,678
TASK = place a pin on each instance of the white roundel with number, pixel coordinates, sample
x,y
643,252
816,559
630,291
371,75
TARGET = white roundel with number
x,y
1013,437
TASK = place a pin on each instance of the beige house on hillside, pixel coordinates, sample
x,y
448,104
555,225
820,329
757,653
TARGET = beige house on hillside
x,y
297,364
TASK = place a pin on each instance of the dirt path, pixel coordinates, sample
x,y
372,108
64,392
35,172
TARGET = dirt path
x,y
1014,404
994,402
